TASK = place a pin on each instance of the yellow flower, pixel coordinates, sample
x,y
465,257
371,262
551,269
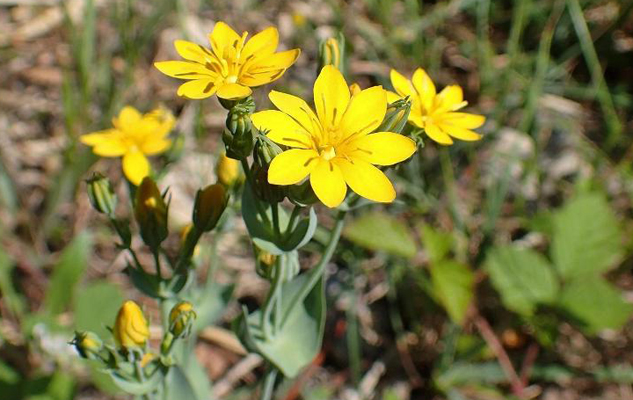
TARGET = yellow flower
x,y
228,171
134,137
436,112
130,328
231,67
334,146
181,318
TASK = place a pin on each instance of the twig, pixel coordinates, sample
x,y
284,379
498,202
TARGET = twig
x,y
235,374
528,363
495,345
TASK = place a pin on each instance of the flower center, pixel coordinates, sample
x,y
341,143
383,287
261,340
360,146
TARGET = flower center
x,y
231,79
329,153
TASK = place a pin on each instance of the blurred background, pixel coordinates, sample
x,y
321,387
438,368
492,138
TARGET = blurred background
x,y
502,271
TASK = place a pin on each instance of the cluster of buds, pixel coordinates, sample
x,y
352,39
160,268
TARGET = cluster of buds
x,y
238,134
131,349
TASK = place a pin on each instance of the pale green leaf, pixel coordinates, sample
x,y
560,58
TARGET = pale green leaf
x,y
523,277
586,237
381,232
453,286
595,303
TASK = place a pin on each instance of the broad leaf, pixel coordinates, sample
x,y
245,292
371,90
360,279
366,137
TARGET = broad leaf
x,y
381,232
453,286
437,244
595,303
523,277
67,273
179,386
96,306
586,237
298,341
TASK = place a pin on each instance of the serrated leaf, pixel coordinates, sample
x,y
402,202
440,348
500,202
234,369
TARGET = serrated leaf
x,y
595,303
381,232
67,273
586,237
523,277
453,286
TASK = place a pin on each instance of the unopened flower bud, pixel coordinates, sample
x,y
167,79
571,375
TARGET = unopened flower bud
x,y
209,205
396,117
331,52
263,190
181,319
101,194
131,329
238,135
301,194
265,151
228,171
88,344
151,213
264,263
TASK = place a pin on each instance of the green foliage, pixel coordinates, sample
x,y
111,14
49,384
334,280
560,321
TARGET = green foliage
x,y
586,242
381,232
453,285
586,239
524,278
596,303
103,296
67,273
179,386
14,301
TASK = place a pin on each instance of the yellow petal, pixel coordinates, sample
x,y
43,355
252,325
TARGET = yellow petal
x,y
450,98
254,79
222,37
155,146
281,60
263,43
415,117
198,89
127,117
425,87
435,133
193,51
401,84
464,120
282,129
391,96
185,70
297,108
135,166
384,148
367,180
331,96
292,166
94,138
460,133
365,112
328,184
233,91
114,147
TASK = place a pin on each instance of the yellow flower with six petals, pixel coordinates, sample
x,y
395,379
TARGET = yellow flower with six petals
x,y
335,146
133,137
231,67
434,112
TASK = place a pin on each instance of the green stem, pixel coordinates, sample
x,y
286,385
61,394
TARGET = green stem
x,y
319,269
251,182
273,299
156,253
269,384
275,212
187,251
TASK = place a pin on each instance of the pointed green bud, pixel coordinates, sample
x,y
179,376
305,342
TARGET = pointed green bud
x,y
181,319
396,117
238,134
101,194
209,205
151,212
263,190
332,52
88,344
265,151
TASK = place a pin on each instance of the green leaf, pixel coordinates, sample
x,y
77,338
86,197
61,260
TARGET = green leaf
x,y
586,237
298,341
140,388
67,273
595,303
196,375
96,306
453,285
381,232
437,244
523,277
178,385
